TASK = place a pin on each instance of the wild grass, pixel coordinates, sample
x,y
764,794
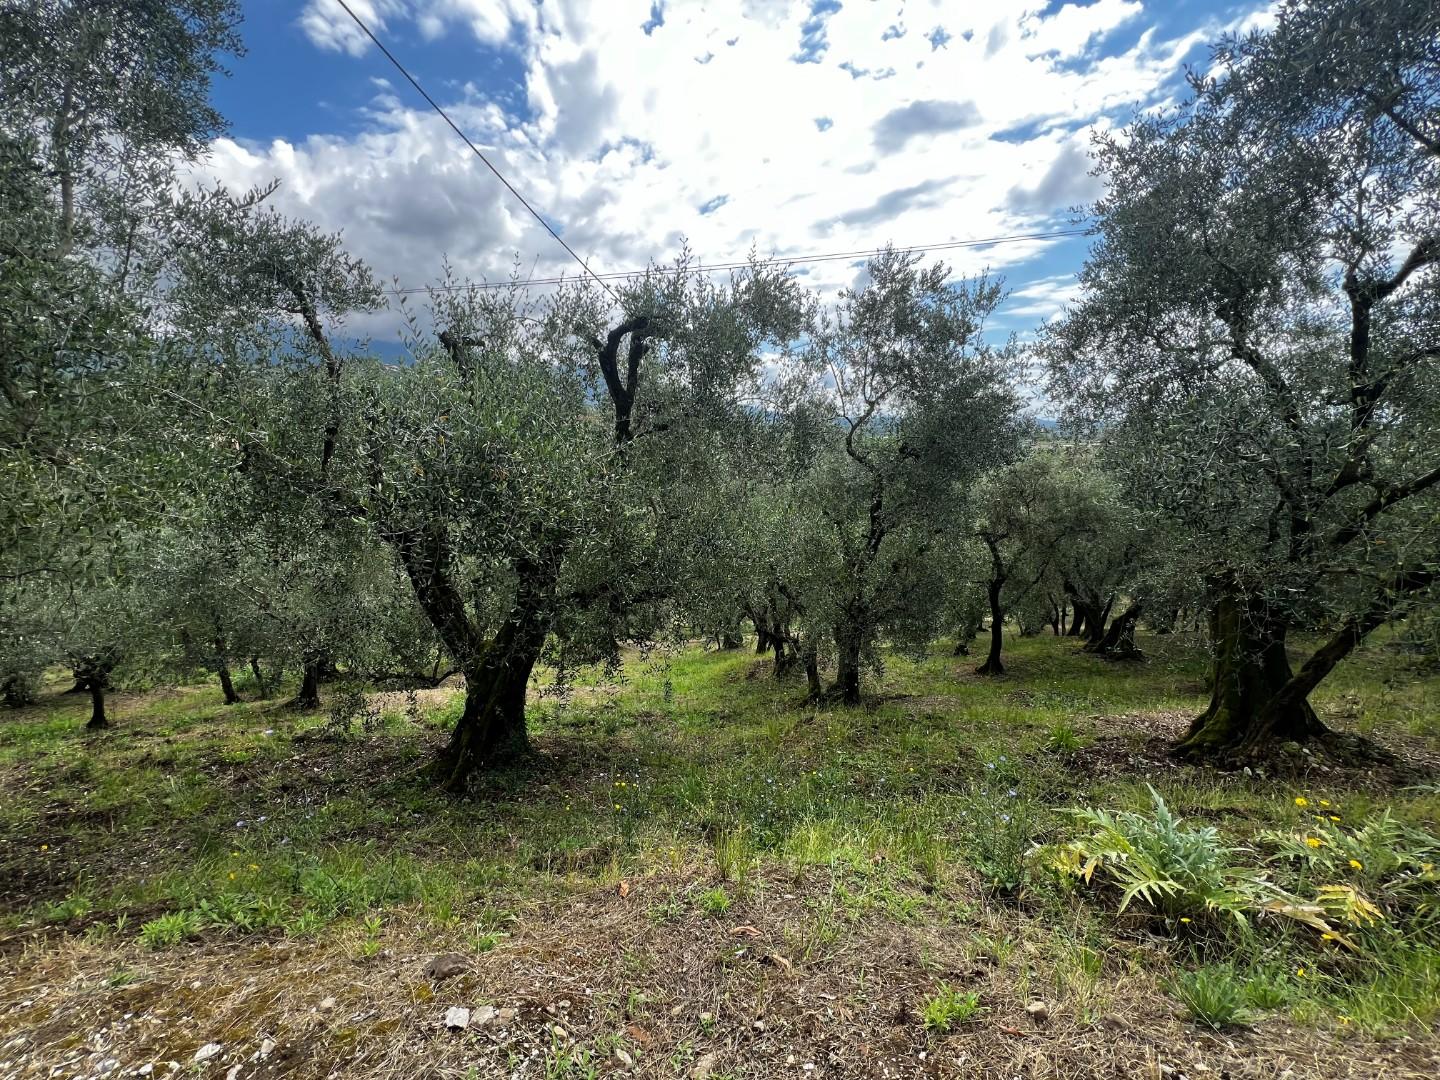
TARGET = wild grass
x,y
925,808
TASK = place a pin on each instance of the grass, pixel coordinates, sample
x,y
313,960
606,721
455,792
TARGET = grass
x,y
1214,996
878,853
948,1008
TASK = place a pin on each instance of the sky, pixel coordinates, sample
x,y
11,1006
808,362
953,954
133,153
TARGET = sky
x,y
789,128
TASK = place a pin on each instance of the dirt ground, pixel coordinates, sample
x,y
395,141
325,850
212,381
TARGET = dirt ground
x,y
600,985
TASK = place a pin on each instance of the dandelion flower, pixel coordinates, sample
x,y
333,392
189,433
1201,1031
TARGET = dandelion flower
x,y
1324,802
44,847
1300,800
1334,818
1327,936
1313,841
1356,864
1300,973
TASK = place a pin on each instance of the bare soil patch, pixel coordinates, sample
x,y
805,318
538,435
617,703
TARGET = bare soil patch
x,y
598,978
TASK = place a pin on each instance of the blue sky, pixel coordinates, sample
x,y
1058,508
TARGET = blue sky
x,y
796,128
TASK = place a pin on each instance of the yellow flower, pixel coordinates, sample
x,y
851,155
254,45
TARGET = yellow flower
x,y
1356,864
1334,818
1184,919
253,866
1300,800
617,806
44,847
232,875
1324,802
1343,1019
1312,841
1327,936
1300,973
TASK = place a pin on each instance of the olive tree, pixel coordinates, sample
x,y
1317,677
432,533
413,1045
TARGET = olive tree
x,y
1259,327
918,403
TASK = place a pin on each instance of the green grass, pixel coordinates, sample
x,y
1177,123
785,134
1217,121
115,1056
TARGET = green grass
x,y
1214,996
948,1008
190,819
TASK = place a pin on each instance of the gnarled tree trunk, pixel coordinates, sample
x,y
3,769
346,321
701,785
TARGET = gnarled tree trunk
x,y
94,672
812,671
847,664
1119,641
98,719
491,729
227,684
222,669
1251,669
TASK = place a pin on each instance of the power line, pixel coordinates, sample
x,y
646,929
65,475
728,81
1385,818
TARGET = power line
x,y
833,256
475,149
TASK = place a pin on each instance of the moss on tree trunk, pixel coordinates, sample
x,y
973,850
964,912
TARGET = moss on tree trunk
x,y
1247,711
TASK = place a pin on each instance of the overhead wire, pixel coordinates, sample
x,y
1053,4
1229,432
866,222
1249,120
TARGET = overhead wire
x,y
474,149
778,260
603,279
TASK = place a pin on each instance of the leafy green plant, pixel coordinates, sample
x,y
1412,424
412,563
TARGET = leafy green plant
x,y
999,824
1382,866
170,929
1268,988
1185,873
948,1007
1214,996
714,901
370,944
1063,738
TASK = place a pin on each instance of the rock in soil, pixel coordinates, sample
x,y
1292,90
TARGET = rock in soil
x,y
446,966
456,1018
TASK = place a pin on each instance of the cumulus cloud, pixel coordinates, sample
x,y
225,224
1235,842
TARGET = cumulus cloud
x,y
899,126
626,144
894,203
1065,183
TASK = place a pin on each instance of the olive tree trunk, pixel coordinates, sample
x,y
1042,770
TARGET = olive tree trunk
x,y
847,664
992,665
1251,669
491,729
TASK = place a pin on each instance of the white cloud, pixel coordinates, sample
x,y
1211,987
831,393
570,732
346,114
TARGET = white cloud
x,y
1042,299
328,25
630,137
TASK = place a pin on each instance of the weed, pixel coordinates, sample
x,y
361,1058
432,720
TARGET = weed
x,y
370,944
1268,988
733,855
171,929
714,901
1214,995
1063,738
948,1007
